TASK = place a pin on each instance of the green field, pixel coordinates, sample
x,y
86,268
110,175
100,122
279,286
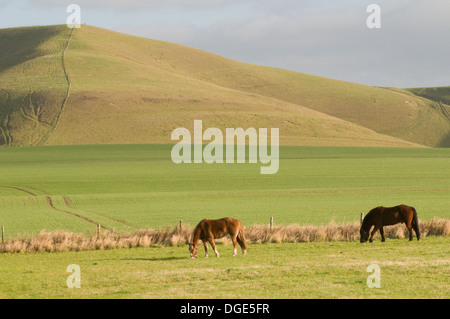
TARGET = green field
x,y
302,270
130,187
85,120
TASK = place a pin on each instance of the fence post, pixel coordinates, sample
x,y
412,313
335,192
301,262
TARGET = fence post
x,y
361,218
98,229
181,224
3,234
271,223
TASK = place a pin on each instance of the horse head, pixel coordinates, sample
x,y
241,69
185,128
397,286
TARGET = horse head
x,y
364,233
366,224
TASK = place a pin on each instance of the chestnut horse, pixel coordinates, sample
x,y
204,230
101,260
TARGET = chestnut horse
x,y
385,216
209,229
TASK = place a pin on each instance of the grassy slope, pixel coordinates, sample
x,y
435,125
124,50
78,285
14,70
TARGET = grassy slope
x,y
441,96
128,89
32,82
385,110
438,94
137,85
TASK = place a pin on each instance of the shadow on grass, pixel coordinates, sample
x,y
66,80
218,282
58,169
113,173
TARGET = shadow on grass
x,y
157,258
22,44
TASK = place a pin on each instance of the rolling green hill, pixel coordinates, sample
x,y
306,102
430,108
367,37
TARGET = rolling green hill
x,y
97,86
438,94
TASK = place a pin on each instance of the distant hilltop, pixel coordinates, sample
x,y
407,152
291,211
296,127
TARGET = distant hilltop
x,y
96,86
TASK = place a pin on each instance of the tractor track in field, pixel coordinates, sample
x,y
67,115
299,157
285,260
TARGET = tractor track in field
x,y
21,190
50,203
70,209
52,206
67,202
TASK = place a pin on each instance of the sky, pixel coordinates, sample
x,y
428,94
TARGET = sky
x,y
328,38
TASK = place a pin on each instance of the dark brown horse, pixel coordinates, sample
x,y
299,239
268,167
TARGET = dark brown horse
x,y
385,216
209,229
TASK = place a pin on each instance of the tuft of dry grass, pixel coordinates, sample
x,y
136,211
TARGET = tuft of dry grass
x,y
334,232
59,241
296,233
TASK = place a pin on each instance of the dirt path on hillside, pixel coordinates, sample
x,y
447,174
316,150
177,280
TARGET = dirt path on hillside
x,y
69,85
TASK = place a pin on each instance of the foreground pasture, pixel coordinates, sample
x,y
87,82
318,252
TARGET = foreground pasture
x,y
282,270
130,187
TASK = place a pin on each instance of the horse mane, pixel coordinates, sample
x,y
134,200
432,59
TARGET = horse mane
x,y
368,218
197,230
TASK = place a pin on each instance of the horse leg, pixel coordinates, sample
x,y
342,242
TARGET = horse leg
x,y
375,229
416,230
241,243
409,226
213,245
382,234
410,233
233,239
205,244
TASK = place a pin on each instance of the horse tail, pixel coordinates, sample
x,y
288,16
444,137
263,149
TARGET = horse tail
x,y
241,234
415,223
241,238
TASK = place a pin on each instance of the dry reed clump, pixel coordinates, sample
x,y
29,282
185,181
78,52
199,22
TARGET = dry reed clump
x,y
59,241
435,227
296,233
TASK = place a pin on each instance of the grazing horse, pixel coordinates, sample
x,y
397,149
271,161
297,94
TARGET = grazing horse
x,y
385,216
208,229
